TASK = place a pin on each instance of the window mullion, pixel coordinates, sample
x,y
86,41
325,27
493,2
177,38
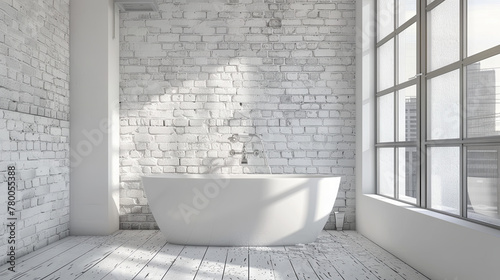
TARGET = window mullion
x,y
396,72
422,99
463,178
463,119
396,171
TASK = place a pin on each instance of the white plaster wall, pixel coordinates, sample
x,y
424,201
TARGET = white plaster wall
x,y
94,98
439,246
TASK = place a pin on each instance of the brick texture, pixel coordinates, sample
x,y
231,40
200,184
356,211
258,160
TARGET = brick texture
x,y
34,120
198,71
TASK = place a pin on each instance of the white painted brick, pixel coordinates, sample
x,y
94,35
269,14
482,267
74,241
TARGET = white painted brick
x,y
134,69
147,161
138,138
298,91
326,6
41,81
169,38
170,161
161,130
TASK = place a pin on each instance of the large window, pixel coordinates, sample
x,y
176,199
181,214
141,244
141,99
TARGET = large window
x,y
438,105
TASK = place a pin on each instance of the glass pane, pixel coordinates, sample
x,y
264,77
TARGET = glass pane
x,y
385,65
406,9
483,24
429,1
385,18
483,98
385,119
407,174
386,171
443,106
407,114
443,39
407,41
483,189
444,178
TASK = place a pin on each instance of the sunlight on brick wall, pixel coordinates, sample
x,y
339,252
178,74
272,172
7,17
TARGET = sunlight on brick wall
x,y
198,71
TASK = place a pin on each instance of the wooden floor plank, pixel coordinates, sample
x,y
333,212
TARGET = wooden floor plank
x,y
28,262
212,266
333,251
298,258
282,267
106,265
44,249
130,267
187,263
347,266
376,267
400,267
74,269
324,269
260,265
319,262
57,262
158,266
236,264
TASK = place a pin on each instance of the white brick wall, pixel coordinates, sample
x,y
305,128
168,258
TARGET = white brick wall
x,y
198,71
34,120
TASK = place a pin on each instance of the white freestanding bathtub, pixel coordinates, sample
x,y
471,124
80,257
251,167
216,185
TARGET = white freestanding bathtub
x,y
241,210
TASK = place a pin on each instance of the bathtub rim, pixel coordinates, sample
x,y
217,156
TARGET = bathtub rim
x,y
239,176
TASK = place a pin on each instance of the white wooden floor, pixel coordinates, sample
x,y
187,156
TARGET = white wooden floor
x,y
145,255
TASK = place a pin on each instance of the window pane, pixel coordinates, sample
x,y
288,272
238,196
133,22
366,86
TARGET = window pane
x,y
385,65
483,189
443,39
385,18
483,98
407,41
407,174
386,171
443,106
483,24
444,178
385,119
406,9
407,114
